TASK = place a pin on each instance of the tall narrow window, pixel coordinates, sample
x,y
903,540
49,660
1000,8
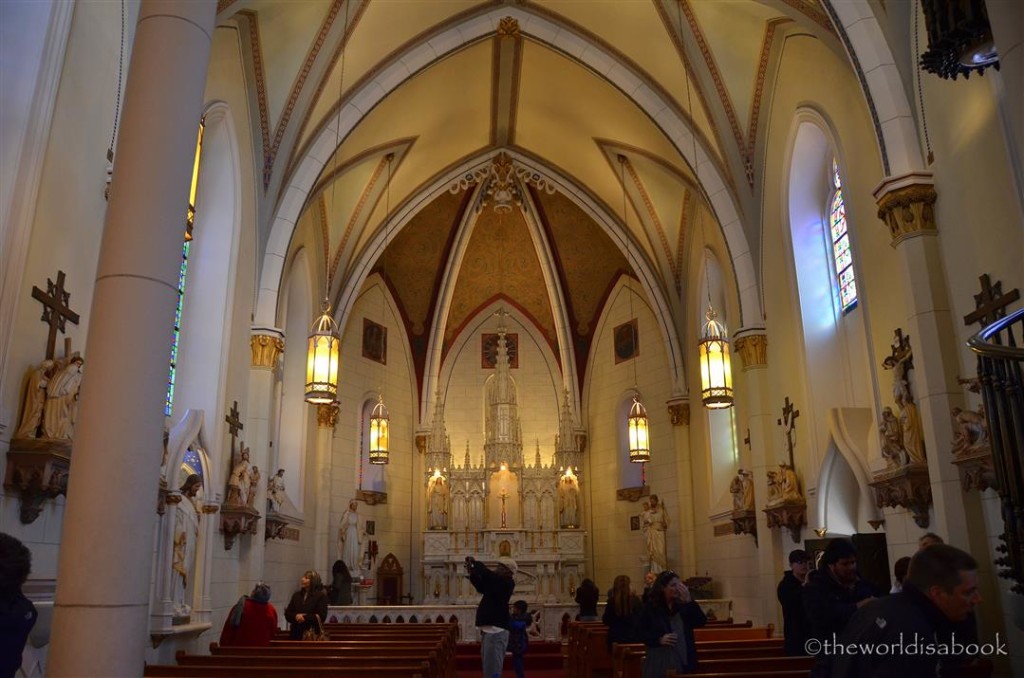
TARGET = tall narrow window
x,y
842,253
190,217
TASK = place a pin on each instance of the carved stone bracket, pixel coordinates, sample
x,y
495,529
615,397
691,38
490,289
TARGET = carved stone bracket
x,y
371,498
276,524
236,520
908,487
266,350
38,469
632,493
753,349
745,522
906,205
679,412
421,442
972,452
976,471
790,516
327,415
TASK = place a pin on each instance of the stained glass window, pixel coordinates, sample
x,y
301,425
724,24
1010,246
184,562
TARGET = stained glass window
x,y
190,215
841,250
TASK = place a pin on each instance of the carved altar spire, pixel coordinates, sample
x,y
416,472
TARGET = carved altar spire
x,y
439,448
502,430
567,449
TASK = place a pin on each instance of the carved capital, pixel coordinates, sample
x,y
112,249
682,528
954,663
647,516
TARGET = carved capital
x,y
508,27
753,349
679,413
266,350
327,415
908,211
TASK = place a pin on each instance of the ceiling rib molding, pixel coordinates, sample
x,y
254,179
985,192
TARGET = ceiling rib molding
x,y
506,70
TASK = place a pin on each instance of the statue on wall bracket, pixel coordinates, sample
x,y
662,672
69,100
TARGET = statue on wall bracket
x,y
744,517
904,482
786,506
238,514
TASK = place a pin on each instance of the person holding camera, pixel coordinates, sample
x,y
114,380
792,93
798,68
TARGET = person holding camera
x,y
666,625
492,616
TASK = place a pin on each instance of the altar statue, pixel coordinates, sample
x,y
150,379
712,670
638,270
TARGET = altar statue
x,y
350,539
186,532
437,503
654,521
569,499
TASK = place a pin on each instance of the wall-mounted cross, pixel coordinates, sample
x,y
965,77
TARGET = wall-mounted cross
x,y
990,303
234,424
56,309
788,420
747,440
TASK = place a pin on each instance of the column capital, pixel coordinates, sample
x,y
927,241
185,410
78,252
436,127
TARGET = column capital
x,y
327,415
752,345
679,411
267,345
906,205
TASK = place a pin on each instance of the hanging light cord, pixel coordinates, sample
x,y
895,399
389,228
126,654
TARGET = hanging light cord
x,y
920,93
117,99
383,271
629,288
337,144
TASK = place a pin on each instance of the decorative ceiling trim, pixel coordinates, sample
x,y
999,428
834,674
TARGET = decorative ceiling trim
x,y
653,215
506,72
326,236
688,204
767,42
300,81
298,152
223,5
716,77
357,211
260,81
816,15
500,186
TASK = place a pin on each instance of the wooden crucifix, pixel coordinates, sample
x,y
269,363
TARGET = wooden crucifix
x,y
234,425
56,309
990,303
788,420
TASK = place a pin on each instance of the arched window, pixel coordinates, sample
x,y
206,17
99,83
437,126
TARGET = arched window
x,y
842,252
190,217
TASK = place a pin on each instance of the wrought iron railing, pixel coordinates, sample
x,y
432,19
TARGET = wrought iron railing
x,y
1000,366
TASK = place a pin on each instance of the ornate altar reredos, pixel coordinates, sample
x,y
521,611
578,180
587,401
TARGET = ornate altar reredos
x,y
501,506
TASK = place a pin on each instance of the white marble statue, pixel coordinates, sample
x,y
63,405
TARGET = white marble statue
x,y
569,499
186,533
276,491
35,398
654,522
239,480
437,503
61,408
350,539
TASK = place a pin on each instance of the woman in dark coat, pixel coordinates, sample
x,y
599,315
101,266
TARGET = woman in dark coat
x,y
587,596
620,614
306,604
666,626
340,590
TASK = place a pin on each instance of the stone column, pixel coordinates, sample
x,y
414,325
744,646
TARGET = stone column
x,y
679,415
752,347
267,346
326,419
101,620
906,205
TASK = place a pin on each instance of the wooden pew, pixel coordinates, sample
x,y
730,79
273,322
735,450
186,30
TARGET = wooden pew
x,y
628,658
745,633
594,647
740,644
746,666
175,671
371,663
576,647
342,656
443,647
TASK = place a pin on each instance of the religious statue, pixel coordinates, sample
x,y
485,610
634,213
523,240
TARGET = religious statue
x,y
186,532
654,522
437,503
892,439
901,362
789,485
239,480
350,539
275,491
774,488
742,490
35,397
254,484
61,407
970,431
569,499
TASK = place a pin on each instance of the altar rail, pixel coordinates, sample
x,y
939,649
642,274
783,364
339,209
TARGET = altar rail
x,y
550,621
1000,362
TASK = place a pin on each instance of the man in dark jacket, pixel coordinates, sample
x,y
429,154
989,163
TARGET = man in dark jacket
x,y
939,593
17,613
492,617
832,594
790,594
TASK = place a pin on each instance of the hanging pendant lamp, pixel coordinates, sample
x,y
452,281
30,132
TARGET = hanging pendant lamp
x,y
639,433
322,359
715,363
380,422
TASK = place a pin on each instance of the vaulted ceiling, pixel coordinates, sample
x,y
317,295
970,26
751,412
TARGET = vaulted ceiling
x,y
601,95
